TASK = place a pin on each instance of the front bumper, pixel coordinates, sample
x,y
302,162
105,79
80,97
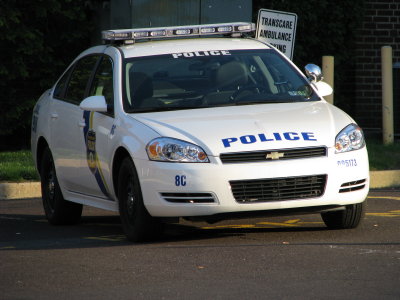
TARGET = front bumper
x,y
204,189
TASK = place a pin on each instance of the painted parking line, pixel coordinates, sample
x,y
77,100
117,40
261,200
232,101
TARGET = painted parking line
x,y
263,225
390,214
294,222
108,238
7,248
279,224
234,226
384,197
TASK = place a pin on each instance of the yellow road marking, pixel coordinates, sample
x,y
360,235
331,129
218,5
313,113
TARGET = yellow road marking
x,y
392,213
263,225
384,197
243,226
303,223
292,221
109,238
277,224
7,247
235,226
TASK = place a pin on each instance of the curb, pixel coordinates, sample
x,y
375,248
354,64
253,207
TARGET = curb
x,y
20,190
13,190
384,179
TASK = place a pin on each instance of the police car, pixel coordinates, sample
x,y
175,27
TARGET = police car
x,y
197,122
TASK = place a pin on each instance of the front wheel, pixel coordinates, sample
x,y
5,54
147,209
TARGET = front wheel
x,y
137,223
58,211
348,218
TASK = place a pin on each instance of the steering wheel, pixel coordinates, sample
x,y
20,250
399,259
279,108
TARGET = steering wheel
x,y
260,89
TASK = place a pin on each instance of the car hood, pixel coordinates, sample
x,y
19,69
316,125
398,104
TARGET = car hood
x,y
251,127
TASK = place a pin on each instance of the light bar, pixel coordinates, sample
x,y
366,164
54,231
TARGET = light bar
x,y
225,29
130,35
207,30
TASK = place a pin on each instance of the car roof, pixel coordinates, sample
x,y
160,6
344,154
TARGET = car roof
x,y
189,45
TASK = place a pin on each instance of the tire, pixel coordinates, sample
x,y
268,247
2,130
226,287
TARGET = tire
x,y
137,223
348,218
58,211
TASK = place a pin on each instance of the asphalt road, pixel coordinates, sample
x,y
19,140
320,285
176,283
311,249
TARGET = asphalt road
x,y
292,257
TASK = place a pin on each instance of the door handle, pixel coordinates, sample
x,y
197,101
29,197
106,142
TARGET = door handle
x,y
54,115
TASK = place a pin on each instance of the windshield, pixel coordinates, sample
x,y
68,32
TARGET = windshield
x,y
211,78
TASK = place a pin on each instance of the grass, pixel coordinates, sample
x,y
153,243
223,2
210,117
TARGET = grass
x,y
383,157
18,166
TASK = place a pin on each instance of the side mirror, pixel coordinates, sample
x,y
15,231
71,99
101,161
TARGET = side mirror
x,y
324,89
313,72
94,103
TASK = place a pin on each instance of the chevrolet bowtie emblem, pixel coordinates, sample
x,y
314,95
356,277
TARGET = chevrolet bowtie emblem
x,y
275,155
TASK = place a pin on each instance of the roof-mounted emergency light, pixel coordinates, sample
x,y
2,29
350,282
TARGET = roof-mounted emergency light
x,y
130,35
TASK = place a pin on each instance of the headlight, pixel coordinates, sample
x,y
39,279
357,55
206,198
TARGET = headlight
x,y
349,139
172,150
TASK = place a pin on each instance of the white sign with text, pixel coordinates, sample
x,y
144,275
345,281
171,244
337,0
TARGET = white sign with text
x,y
277,28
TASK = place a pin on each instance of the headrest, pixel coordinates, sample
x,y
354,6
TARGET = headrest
x,y
231,74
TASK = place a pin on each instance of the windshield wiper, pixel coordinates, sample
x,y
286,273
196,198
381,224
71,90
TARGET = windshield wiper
x,y
159,109
262,99
262,102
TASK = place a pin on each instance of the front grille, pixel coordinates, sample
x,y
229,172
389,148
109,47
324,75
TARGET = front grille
x,y
267,155
188,197
352,186
278,189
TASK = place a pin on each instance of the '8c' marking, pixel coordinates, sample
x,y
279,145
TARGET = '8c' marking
x,y
180,180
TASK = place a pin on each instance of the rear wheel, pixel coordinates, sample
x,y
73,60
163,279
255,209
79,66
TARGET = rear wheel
x,y
137,223
348,218
58,211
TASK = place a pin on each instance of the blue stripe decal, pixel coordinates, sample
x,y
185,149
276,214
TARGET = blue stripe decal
x,y
91,155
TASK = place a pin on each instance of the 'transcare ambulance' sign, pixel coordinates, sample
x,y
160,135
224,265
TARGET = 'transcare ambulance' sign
x,y
277,28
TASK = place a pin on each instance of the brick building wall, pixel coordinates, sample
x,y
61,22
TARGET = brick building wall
x,y
380,27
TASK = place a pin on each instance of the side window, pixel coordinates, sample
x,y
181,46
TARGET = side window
x,y
79,79
103,81
59,90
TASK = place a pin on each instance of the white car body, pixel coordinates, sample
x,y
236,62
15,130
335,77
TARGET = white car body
x,y
271,127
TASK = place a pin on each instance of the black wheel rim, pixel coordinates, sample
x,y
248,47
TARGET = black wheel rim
x,y
131,199
50,187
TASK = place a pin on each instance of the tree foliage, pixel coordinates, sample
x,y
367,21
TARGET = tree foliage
x,y
324,27
38,40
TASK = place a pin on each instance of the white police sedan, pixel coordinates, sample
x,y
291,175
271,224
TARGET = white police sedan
x,y
196,122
